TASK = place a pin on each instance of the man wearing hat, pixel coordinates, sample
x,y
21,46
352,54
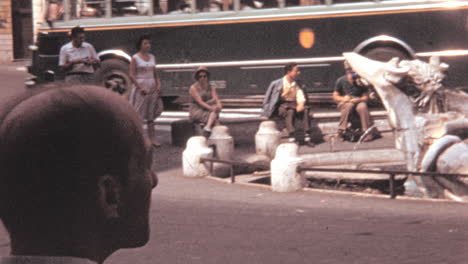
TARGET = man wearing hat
x,y
286,98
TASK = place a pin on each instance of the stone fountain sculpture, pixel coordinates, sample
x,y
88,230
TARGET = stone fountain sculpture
x,y
429,120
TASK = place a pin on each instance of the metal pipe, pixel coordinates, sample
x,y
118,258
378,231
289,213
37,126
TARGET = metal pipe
x,y
233,179
211,168
432,174
213,147
392,186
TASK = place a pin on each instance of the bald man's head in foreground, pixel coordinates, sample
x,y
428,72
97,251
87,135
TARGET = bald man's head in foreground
x,y
75,173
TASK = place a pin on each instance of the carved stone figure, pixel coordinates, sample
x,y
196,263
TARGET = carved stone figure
x,y
430,120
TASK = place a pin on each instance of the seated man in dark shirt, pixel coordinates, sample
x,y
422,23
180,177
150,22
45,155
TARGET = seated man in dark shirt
x,y
352,96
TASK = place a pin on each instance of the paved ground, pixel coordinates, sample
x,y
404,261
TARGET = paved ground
x,y
206,221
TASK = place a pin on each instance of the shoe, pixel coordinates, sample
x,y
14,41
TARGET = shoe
x,y
376,133
308,141
310,144
368,137
206,133
340,137
155,144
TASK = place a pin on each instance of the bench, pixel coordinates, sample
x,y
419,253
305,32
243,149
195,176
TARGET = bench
x,y
323,125
240,129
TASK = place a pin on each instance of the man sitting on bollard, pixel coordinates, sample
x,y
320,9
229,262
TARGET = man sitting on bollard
x,y
351,95
76,179
286,98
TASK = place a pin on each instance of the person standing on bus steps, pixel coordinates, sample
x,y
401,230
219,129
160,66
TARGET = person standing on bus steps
x,y
78,59
351,96
145,94
286,98
205,106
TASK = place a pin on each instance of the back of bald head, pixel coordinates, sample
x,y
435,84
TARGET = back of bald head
x,y
55,143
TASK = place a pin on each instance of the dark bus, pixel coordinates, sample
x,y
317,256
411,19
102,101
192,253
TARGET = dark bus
x,y
245,44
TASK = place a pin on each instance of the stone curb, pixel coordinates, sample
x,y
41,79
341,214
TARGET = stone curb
x,y
349,193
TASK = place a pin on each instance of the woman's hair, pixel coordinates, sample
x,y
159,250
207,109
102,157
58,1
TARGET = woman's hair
x,y
197,73
140,40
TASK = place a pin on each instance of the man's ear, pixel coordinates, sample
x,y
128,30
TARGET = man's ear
x,y
110,190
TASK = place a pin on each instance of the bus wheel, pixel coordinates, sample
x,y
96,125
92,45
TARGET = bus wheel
x,y
382,54
385,54
113,74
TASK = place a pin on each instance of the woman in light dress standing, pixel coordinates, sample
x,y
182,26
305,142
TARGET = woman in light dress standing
x,y
145,94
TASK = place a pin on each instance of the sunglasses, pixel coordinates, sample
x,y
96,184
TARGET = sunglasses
x,y
202,76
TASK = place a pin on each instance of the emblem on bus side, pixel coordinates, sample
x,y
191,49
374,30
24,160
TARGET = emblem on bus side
x,y
306,38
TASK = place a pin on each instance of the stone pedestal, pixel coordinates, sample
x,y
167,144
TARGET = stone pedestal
x,y
284,177
223,141
454,159
267,139
223,148
192,165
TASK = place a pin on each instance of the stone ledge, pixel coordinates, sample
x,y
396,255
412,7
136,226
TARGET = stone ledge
x,y
243,130
324,116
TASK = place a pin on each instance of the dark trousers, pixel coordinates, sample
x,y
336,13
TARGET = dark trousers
x,y
287,110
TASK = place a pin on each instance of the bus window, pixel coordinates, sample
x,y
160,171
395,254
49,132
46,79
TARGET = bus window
x,y
350,1
76,9
115,8
310,2
191,7
92,9
54,11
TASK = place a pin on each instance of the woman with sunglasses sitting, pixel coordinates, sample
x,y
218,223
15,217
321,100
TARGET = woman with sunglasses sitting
x,y
205,105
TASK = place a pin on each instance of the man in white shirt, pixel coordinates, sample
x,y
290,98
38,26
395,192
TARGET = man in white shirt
x,y
78,59
76,177
286,98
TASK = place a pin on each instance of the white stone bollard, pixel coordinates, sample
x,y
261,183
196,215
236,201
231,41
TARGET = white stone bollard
x,y
284,177
191,158
224,149
223,141
267,139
